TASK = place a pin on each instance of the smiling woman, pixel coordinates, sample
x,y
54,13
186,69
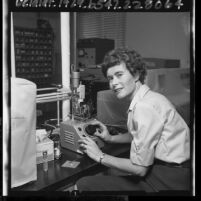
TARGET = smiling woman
x,y
158,136
121,81
124,69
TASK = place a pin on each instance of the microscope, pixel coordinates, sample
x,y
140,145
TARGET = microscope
x,y
79,125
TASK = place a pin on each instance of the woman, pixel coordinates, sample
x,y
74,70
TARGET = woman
x,y
159,137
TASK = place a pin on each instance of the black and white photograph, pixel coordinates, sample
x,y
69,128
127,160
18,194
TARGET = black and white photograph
x,y
98,98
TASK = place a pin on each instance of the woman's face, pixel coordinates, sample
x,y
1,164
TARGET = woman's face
x,y
121,81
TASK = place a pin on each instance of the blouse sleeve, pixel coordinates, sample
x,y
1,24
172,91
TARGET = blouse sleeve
x,y
145,127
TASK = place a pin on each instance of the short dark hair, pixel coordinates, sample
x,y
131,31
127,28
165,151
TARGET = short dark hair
x,y
134,62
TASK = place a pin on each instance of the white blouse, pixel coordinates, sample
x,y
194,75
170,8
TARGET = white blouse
x,y
157,129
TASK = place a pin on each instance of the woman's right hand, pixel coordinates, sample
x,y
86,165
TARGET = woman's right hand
x,y
103,133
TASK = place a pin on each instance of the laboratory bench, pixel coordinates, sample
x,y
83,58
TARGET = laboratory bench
x,y
57,177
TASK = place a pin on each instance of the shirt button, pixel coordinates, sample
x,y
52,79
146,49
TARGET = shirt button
x,y
137,148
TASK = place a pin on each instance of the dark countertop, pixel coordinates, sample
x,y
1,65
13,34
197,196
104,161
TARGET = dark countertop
x,y
58,176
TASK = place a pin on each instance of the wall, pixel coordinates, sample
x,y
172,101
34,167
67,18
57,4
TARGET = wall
x,y
160,35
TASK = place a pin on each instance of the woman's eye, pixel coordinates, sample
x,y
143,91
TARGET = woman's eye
x,y
119,75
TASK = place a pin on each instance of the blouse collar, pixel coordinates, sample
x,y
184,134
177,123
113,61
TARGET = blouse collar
x,y
138,96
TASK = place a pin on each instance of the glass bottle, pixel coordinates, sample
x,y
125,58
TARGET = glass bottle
x,y
45,161
57,149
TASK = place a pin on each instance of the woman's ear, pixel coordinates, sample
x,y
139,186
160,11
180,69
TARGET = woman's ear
x,y
136,77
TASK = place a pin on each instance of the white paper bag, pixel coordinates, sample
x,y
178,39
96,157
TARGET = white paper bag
x,y
23,129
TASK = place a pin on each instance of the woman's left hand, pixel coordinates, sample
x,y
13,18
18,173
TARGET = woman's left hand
x,y
90,147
